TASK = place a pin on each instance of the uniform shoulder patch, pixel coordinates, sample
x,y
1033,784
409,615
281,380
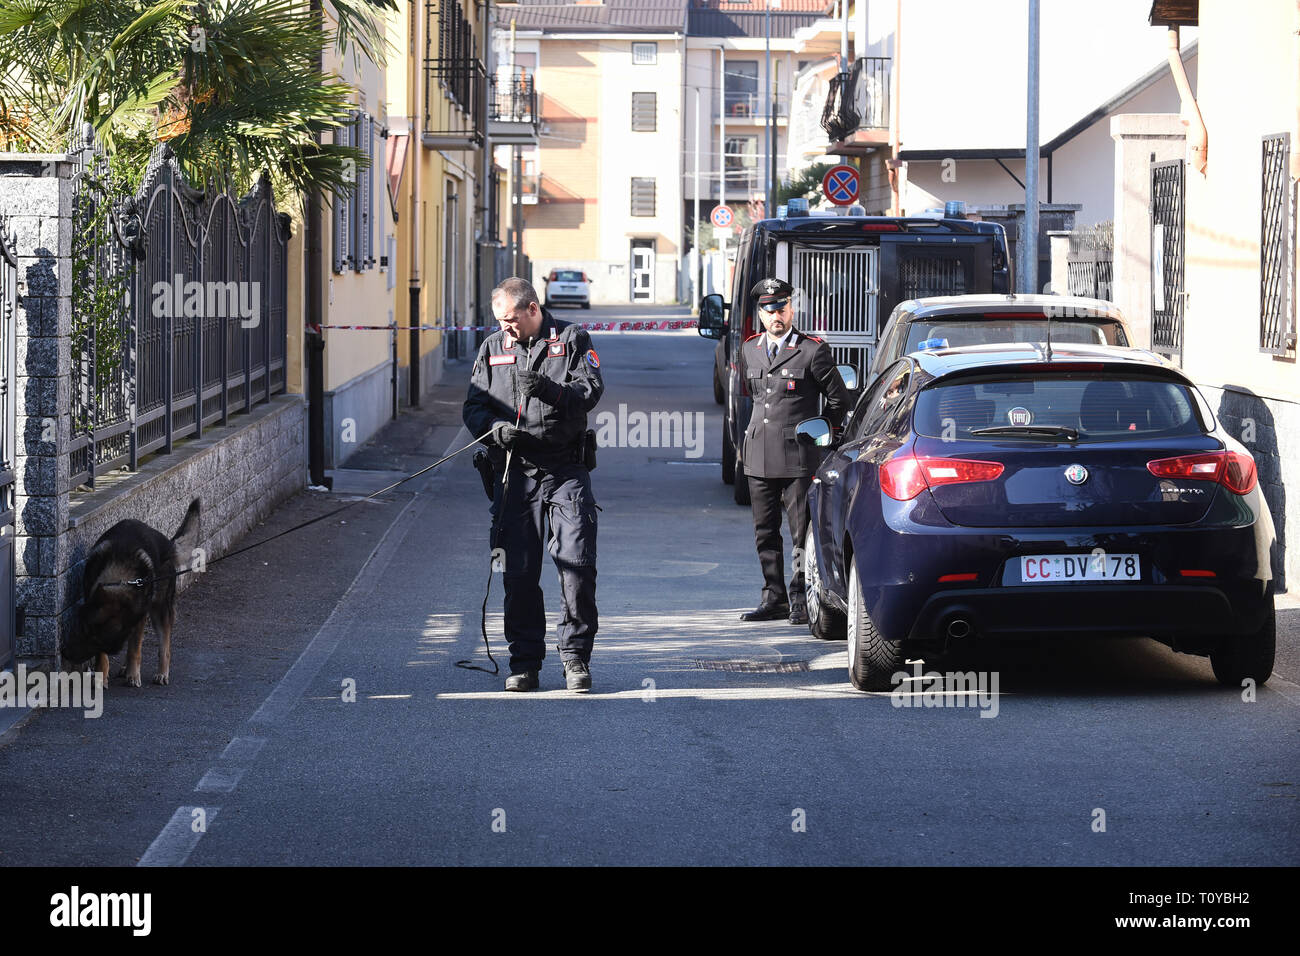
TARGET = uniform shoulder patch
x,y
813,338
592,358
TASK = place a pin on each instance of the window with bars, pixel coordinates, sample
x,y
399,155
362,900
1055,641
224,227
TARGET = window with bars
x,y
645,54
643,196
354,227
1274,246
644,111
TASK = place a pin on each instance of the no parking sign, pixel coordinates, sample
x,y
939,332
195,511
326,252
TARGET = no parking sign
x,y
721,216
840,184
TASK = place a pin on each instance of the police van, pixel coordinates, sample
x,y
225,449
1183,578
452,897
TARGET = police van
x,y
848,273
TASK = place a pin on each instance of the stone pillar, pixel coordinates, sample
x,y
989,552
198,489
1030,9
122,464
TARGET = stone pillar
x,y
36,196
1059,241
1140,139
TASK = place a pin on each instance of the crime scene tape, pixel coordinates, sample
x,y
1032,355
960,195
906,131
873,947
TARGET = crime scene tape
x,y
645,326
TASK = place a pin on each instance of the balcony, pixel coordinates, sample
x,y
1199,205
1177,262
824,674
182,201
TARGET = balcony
x,y
454,80
856,116
512,111
743,108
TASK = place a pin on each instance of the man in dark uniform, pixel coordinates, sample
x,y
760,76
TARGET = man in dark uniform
x,y
534,381
787,372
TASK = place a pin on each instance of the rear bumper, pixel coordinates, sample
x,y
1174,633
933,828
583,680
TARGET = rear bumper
x,y
1191,618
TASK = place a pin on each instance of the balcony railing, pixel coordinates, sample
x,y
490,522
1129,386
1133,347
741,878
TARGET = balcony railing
x,y
858,99
454,79
750,106
513,99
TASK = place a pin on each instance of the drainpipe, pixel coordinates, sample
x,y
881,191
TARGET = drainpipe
x,y
893,163
417,224
315,340
1295,181
1191,113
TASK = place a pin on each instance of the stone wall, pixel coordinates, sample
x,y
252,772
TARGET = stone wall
x,y
239,472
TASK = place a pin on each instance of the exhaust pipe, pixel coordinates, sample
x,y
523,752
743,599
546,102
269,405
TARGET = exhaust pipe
x,y
957,624
959,628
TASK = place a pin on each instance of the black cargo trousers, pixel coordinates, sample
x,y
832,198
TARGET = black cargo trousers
x,y
554,505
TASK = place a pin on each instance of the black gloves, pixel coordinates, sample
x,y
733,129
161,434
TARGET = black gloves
x,y
531,383
505,434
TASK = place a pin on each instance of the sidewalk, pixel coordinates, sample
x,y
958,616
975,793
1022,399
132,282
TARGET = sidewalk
x,y
72,783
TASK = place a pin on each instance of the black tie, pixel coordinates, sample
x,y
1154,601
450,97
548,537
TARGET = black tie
x,y
771,351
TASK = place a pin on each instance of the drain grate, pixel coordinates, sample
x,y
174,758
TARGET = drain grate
x,y
754,667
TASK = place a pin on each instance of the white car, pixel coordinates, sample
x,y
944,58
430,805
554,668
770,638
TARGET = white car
x,y
568,287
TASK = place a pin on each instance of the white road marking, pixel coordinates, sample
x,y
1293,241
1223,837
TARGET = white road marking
x,y
173,846
178,838
220,780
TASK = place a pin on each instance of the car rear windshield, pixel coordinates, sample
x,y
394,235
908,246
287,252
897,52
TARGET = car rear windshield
x,y
1099,407
953,333
567,275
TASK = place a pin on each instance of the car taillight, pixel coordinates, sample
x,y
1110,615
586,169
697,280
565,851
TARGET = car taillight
x,y
1234,470
906,477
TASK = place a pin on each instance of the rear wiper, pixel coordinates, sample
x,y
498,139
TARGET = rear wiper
x,y
1036,431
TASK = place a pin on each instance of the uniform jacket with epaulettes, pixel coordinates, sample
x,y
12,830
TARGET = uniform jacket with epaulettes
x,y
786,390
562,352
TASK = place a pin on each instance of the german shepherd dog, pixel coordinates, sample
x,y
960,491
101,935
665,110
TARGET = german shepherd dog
x,y
130,574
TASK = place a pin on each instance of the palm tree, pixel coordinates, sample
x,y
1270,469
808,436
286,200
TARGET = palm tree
x,y
235,86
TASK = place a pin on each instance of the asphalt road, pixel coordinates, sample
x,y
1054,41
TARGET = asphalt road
x,y
705,740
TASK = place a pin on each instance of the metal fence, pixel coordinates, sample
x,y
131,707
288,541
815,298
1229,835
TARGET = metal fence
x,y
8,440
178,312
1090,262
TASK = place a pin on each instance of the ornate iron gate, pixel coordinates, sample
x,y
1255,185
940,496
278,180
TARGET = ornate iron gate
x,y
179,312
8,425
1168,244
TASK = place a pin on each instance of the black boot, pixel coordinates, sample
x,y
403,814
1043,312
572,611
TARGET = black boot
x,y
524,680
577,675
767,611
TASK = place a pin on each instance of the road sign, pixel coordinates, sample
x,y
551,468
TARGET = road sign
x,y
840,184
721,216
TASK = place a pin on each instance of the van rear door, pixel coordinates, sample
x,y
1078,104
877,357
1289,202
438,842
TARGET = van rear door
x,y
913,266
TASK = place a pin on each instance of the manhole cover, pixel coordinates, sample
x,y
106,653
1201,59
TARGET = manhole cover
x,y
754,667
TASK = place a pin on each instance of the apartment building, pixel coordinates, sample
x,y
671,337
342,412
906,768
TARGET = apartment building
x,y
737,122
602,191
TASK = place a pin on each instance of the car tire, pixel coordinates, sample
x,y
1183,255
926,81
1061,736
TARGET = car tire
x,y
719,393
1251,657
741,489
873,658
728,457
824,622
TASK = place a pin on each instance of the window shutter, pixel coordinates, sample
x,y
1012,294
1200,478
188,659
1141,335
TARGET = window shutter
x,y
644,110
643,196
343,209
363,243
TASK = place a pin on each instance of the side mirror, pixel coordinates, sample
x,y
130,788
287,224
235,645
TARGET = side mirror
x,y
712,324
814,433
850,376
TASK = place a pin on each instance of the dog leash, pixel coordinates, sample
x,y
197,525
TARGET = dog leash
x,y
141,582
494,537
